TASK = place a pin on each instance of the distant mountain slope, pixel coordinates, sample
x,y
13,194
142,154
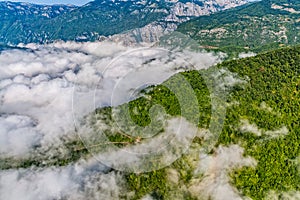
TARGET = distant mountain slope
x,y
10,9
26,23
262,25
18,20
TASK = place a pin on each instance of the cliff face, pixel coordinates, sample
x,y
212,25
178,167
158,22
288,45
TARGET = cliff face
x,y
178,12
133,20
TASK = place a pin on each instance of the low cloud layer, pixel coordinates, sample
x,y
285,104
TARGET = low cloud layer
x,y
46,90
18,134
163,149
215,169
80,182
50,85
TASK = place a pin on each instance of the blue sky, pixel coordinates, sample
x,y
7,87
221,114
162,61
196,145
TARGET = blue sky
x,y
75,2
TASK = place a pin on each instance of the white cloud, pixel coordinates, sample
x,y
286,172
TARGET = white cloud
x,y
48,83
246,55
225,79
245,126
80,182
45,88
17,134
162,149
215,168
289,195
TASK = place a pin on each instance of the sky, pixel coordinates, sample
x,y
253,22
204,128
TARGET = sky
x,y
74,2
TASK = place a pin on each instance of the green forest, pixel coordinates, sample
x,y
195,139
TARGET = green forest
x,y
274,80
254,27
268,98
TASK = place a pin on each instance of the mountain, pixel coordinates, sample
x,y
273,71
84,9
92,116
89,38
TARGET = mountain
x,y
255,27
25,23
26,10
262,112
19,19
177,12
262,115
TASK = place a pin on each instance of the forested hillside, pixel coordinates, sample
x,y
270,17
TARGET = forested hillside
x,y
255,27
262,117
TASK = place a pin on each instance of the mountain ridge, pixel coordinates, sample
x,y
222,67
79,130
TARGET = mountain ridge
x,y
103,18
261,119
255,27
